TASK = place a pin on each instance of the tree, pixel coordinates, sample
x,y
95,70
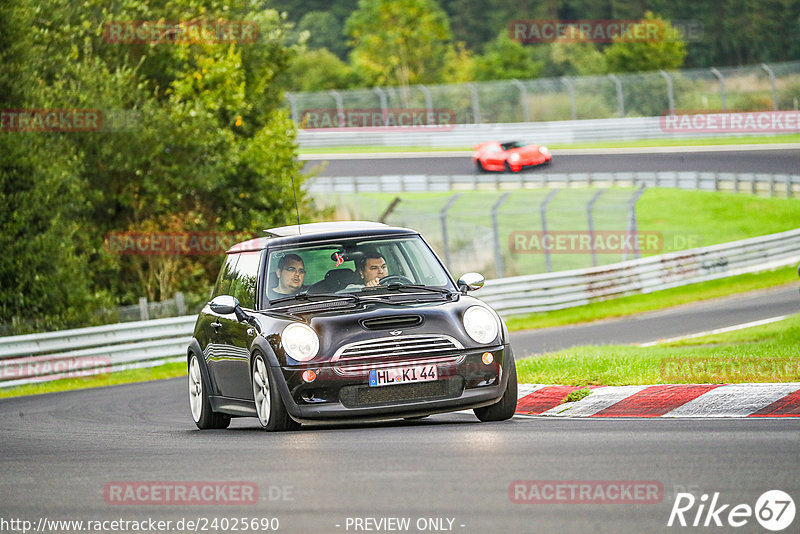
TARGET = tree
x,y
209,148
399,42
505,59
666,51
319,70
324,32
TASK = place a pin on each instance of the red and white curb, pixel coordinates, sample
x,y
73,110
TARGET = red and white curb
x,y
677,400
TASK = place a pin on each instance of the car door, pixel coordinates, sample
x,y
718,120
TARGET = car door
x,y
230,365
494,156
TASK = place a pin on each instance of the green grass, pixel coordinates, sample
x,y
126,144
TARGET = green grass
x,y
702,218
168,370
577,394
755,140
765,353
658,300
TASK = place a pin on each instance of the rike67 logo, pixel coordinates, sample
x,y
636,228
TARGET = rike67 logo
x,y
774,510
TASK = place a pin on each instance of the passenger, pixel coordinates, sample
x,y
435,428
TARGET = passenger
x,y
291,273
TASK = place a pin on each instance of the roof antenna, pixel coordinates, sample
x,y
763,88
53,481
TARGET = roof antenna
x,y
297,212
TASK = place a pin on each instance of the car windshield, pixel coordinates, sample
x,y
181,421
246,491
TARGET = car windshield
x,y
511,144
362,267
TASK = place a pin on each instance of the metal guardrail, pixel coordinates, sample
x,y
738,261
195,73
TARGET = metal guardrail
x,y
553,291
84,351
467,135
41,357
772,184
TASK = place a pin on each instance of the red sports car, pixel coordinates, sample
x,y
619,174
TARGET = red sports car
x,y
511,156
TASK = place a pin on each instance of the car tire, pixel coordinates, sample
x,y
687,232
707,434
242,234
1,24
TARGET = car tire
x,y
507,167
507,405
199,402
479,166
270,409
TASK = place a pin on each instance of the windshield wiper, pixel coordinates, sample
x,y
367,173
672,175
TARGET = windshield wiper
x,y
306,296
398,286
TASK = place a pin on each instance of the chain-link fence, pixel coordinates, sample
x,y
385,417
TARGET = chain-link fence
x,y
509,233
751,88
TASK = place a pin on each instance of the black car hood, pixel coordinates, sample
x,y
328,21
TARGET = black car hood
x,y
375,318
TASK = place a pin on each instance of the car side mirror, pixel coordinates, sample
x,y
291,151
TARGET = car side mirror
x,y
224,305
470,282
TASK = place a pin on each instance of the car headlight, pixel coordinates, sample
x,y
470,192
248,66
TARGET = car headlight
x,y
514,156
544,150
300,341
481,324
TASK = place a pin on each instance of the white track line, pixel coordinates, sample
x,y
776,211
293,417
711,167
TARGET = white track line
x,y
716,331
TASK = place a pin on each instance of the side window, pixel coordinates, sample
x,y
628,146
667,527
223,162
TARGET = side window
x,y
226,275
243,286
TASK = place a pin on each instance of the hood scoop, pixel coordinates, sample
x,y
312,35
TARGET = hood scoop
x,y
392,322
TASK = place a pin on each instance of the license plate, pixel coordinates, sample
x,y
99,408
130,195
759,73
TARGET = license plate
x,y
402,375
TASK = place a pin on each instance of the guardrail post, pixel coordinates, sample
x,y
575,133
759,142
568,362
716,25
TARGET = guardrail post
x,y
753,188
384,105
498,251
543,211
571,88
339,108
428,99
632,226
143,311
476,102
789,186
721,79
590,220
771,75
180,303
670,92
523,99
620,99
443,217
293,107
772,185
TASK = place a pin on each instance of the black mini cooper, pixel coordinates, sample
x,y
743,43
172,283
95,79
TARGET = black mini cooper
x,y
347,321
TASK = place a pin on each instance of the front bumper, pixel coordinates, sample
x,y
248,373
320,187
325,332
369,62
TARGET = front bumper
x,y
341,390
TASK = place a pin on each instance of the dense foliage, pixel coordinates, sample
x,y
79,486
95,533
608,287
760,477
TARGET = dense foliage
x,y
200,143
475,44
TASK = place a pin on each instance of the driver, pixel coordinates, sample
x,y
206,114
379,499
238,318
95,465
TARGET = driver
x,y
371,268
290,273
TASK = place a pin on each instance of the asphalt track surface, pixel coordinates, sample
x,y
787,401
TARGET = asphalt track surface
x,y
679,321
60,450
739,161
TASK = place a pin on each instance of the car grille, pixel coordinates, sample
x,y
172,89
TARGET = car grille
x,y
361,396
398,346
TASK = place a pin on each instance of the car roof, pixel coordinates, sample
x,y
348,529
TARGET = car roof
x,y
322,231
